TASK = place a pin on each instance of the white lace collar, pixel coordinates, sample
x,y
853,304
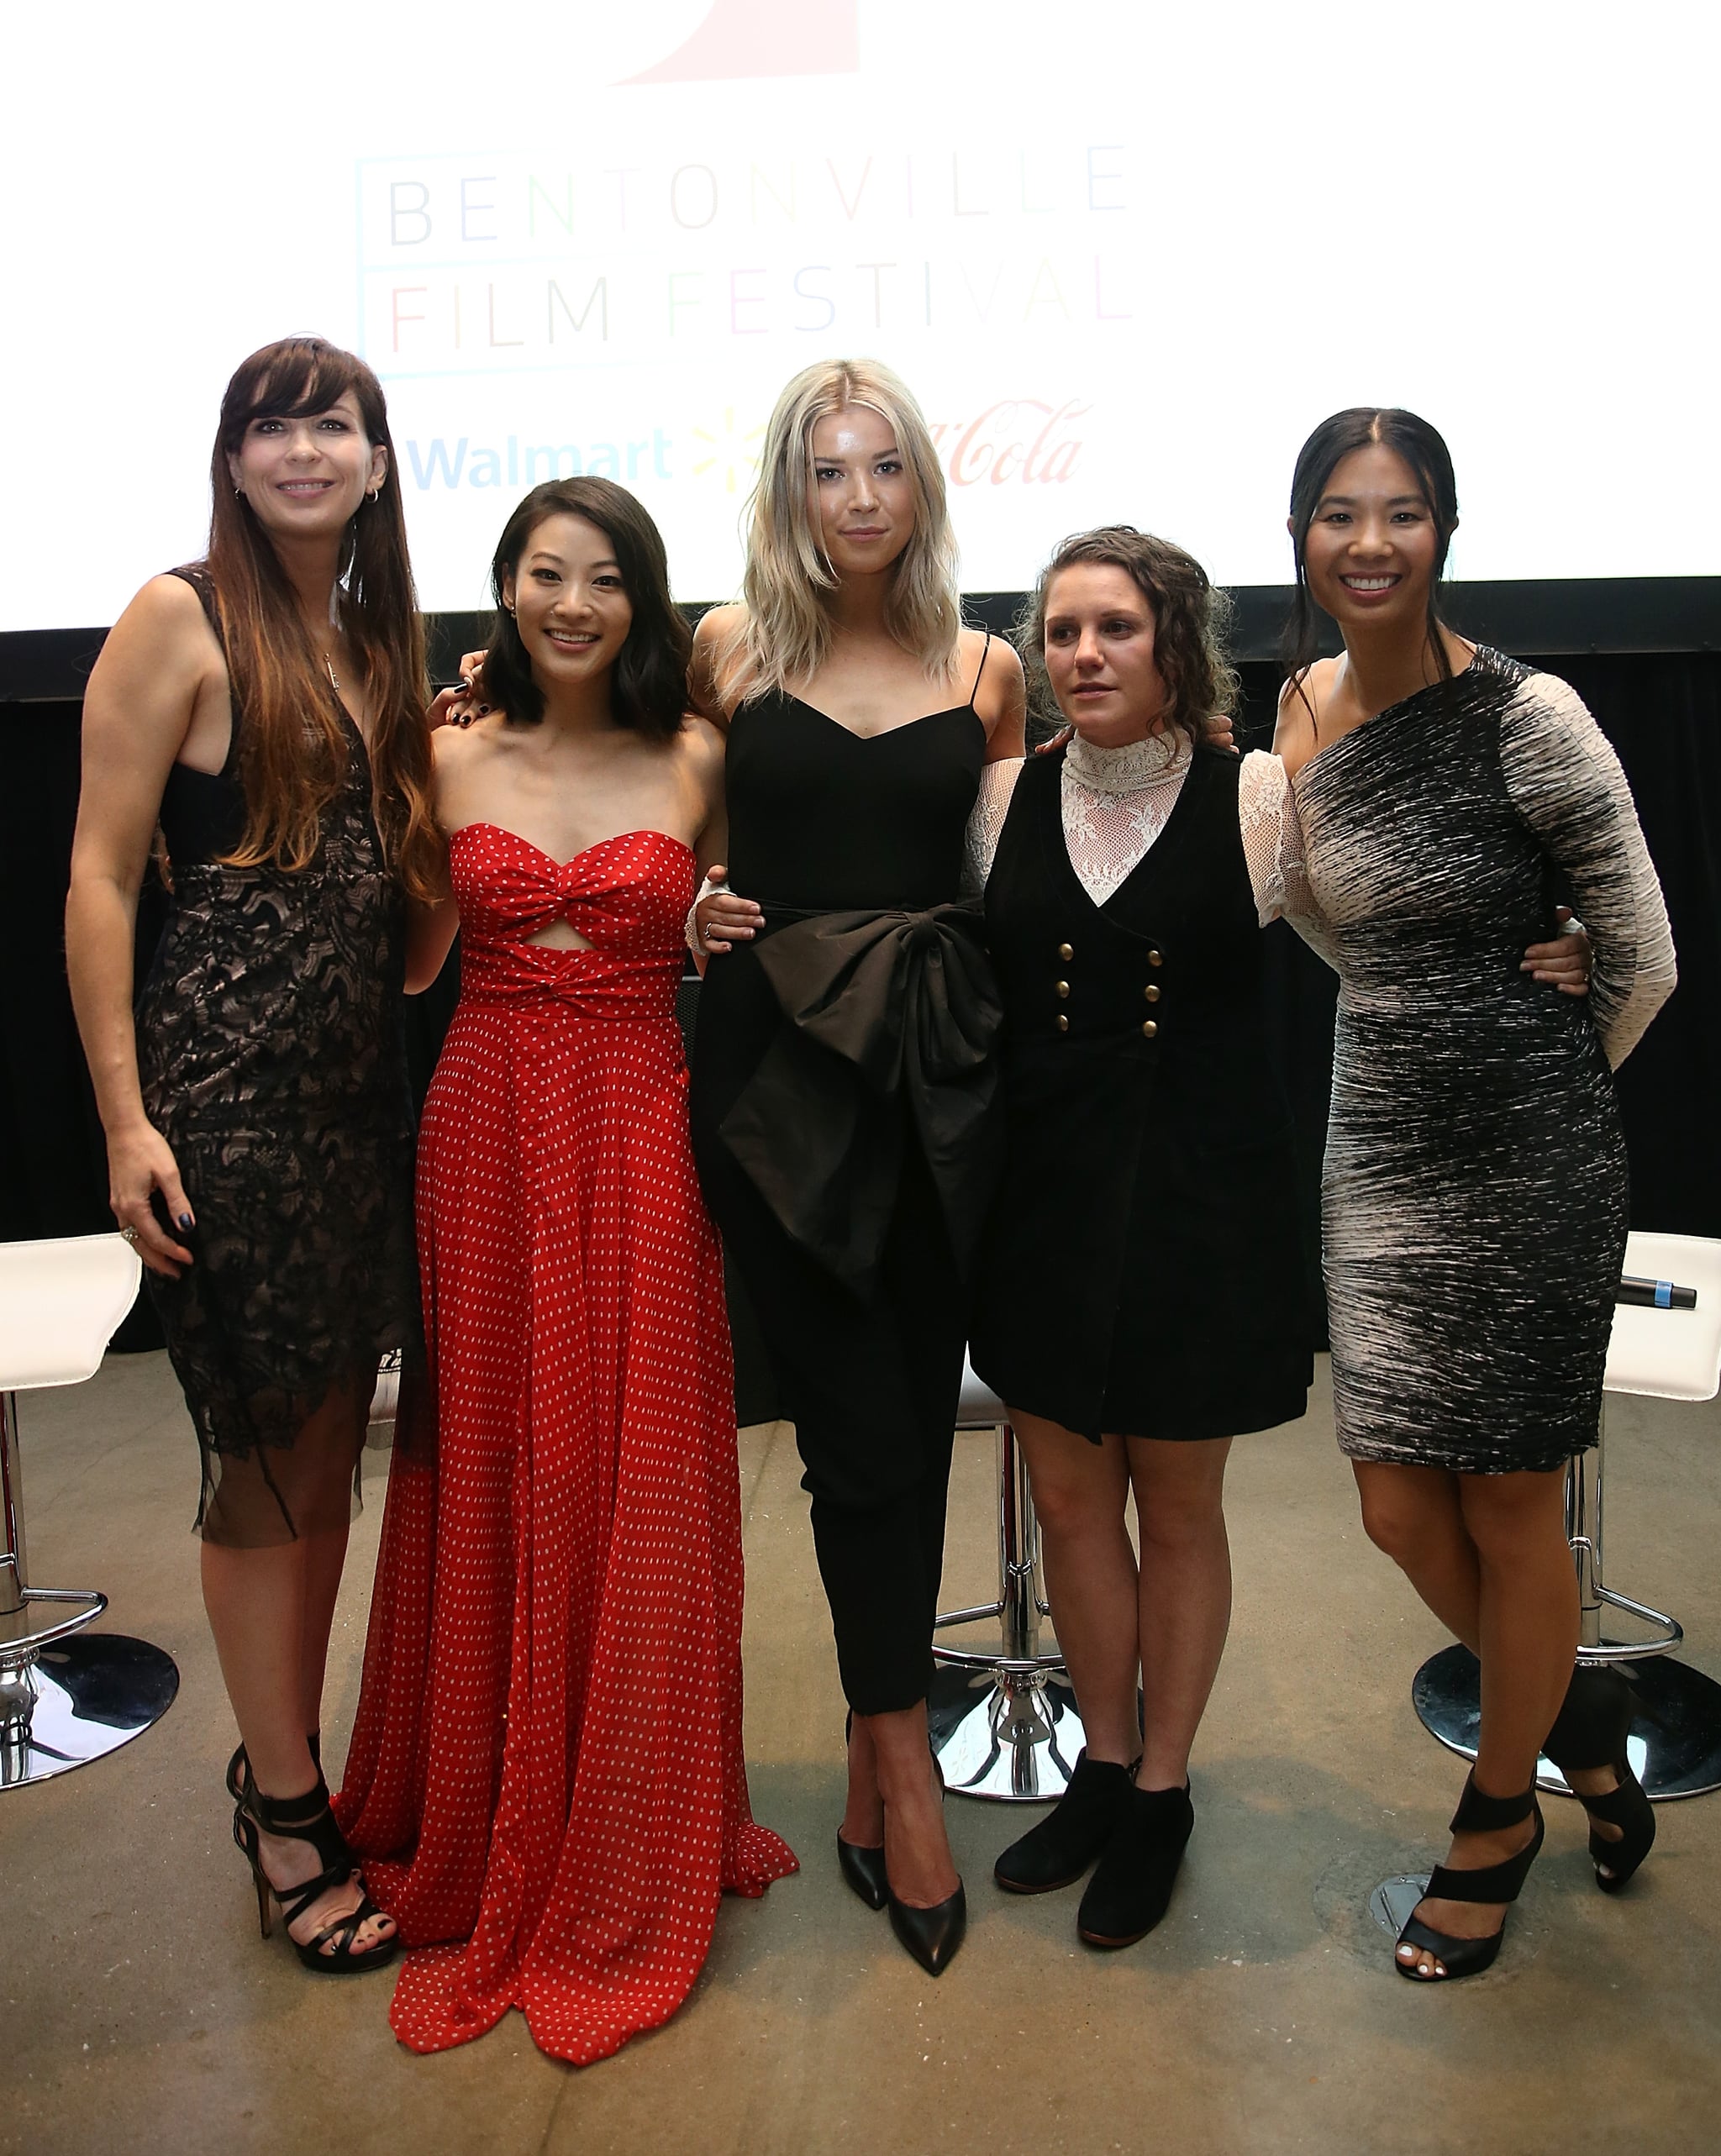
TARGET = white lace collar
x,y
1128,769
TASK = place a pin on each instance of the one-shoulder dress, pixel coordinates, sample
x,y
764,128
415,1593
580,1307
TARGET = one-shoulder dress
x,y
1475,1193
546,1777
271,1056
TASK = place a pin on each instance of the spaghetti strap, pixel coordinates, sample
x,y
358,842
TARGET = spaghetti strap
x,y
985,654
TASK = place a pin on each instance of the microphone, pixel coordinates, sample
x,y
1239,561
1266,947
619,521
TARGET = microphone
x,y
1656,1295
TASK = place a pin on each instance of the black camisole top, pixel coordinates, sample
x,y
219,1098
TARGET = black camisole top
x,y
821,818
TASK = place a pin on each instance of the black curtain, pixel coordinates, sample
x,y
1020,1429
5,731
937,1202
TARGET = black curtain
x,y
1661,712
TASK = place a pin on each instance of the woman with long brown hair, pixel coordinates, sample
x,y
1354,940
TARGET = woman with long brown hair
x,y
264,709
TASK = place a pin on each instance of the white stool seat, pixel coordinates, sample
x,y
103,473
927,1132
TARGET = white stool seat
x,y
60,1302
978,1408
1671,1354
67,1696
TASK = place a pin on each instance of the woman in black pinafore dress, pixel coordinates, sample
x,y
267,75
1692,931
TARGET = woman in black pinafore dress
x,y
843,1108
267,706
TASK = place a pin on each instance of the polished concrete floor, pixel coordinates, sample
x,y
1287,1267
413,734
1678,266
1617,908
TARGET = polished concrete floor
x,y
142,2013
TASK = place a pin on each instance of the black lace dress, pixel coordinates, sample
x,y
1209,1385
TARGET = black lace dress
x,y
271,1059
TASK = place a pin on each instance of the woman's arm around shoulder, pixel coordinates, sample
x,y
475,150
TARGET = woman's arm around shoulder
x,y
1566,786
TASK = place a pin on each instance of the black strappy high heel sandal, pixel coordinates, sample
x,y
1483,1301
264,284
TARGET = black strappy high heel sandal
x,y
305,1818
238,1766
1590,1731
1476,1814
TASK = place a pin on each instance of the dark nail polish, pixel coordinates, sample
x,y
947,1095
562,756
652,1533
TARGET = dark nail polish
x,y
186,1220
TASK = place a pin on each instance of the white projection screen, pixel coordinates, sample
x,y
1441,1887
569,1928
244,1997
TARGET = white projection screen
x,y
1126,254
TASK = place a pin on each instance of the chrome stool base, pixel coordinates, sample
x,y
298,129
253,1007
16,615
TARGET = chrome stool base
x,y
1014,1736
77,1700
1394,1900
1675,1744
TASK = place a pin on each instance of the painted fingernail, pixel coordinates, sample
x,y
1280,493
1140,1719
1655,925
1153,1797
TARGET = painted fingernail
x,y
186,1220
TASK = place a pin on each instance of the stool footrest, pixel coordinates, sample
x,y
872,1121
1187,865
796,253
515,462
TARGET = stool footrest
x,y
25,1648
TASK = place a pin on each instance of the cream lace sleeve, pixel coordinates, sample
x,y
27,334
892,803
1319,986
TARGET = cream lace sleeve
x,y
980,842
1567,787
1272,847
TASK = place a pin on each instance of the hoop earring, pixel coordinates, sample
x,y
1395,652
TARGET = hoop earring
x,y
372,492
238,494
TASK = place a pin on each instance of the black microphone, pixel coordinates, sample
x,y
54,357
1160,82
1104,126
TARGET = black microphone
x,y
1656,1295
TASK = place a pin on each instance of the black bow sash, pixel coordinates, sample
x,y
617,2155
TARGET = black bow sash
x,y
888,1017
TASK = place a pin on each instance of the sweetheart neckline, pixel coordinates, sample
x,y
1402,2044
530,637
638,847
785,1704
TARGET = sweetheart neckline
x,y
483,823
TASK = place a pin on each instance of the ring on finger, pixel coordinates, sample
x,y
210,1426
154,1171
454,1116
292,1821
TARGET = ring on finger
x,y
129,1235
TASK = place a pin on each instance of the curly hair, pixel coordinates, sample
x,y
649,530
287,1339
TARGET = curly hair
x,y
1190,616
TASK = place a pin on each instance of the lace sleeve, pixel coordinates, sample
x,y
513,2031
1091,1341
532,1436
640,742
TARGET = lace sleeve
x,y
1272,846
1567,787
980,842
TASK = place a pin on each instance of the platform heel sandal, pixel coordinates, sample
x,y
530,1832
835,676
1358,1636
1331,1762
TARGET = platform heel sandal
x,y
1590,1731
306,1818
1476,1814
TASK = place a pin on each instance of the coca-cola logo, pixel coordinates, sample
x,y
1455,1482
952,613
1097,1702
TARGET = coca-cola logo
x,y
1020,440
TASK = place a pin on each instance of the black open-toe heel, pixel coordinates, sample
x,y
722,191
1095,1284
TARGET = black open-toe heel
x,y
1476,1814
1591,1731
306,1818
239,1765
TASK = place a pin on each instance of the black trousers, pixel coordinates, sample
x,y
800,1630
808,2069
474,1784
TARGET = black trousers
x,y
871,1383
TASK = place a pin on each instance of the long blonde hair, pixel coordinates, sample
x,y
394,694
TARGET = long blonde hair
x,y
785,630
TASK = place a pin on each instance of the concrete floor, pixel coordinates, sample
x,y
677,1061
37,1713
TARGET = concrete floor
x,y
142,2013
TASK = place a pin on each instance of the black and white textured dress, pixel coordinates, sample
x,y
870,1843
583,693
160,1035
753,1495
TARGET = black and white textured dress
x,y
1474,1206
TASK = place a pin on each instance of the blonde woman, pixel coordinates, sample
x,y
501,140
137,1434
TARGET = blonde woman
x,y
843,1085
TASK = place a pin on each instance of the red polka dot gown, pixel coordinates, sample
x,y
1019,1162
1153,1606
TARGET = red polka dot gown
x,y
546,1778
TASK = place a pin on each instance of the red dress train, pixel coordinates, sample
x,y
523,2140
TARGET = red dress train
x,y
546,1778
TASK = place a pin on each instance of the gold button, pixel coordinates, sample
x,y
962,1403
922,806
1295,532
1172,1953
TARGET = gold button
x,y
1150,1028
1063,987
1063,1023
1066,952
1152,991
1154,958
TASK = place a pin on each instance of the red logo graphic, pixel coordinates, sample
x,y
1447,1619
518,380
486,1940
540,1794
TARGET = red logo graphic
x,y
765,37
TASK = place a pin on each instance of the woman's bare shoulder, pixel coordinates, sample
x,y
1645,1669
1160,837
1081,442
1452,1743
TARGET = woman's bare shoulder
x,y
717,623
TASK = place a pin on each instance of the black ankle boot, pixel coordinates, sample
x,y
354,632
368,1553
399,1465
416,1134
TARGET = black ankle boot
x,y
1057,1851
1131,1888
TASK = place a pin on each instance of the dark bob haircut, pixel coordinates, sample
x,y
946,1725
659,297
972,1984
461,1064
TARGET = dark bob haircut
x,y
1430,464
648,684
1190,618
